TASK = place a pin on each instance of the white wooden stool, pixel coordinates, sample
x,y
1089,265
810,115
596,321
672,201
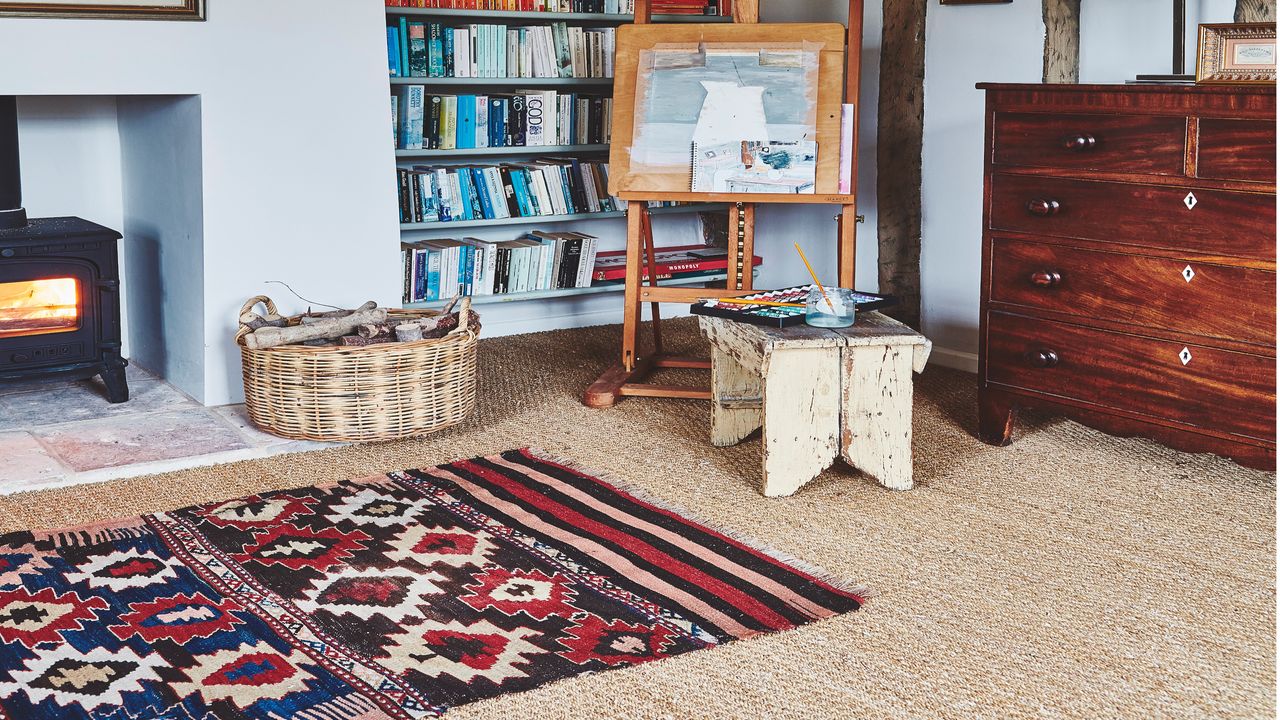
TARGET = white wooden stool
x,y
819,394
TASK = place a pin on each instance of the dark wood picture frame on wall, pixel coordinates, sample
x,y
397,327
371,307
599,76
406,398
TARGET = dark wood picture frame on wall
x,y
110,9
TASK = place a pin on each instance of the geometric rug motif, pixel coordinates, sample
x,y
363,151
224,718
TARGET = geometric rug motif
x,y
392,597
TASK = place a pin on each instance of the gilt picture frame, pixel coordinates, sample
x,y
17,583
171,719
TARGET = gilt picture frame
x,y
1237,53
106,9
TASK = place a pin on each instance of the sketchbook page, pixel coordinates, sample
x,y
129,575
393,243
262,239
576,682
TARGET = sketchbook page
x,y
719,92
755,166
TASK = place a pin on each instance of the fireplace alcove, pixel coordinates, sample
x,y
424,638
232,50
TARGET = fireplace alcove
x,y
127,165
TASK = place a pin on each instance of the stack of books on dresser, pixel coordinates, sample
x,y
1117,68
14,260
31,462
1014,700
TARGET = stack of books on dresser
x,y
536,261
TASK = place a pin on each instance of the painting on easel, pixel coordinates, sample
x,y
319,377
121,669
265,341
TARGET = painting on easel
x,y
722,110
740,109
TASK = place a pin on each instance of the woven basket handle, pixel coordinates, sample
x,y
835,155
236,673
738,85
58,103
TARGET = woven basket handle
x,y
249,305
464,313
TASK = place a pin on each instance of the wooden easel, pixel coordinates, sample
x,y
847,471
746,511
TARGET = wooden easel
x,y
626,378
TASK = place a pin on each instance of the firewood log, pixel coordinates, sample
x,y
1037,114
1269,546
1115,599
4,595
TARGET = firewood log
x,y
269,337
378,331
253,321
370,305
357,341
408,332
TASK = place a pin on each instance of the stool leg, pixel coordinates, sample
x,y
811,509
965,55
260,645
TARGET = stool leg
x,y
801,416
876,422
736,399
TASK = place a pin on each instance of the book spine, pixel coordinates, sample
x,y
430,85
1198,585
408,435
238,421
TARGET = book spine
x,y
443,200
393,51
433,276
514,135
431,125
402,41
446,40
534,120
586,263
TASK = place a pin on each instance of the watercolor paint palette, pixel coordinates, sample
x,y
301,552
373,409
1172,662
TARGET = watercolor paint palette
x,y
775,316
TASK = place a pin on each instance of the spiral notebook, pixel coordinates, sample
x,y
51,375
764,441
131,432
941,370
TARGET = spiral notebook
x,y
754,166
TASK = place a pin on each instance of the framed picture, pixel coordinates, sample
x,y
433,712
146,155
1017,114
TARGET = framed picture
x,y
117,9
714,110
1237,53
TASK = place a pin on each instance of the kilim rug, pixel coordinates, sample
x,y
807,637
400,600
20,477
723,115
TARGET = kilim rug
x,y
390,597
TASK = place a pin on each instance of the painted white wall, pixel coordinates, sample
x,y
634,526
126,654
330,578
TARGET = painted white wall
x,y
964,45
297,161
1119,40
163,202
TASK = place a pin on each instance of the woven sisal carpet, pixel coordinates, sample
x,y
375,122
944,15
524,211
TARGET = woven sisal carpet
x,y
1069,575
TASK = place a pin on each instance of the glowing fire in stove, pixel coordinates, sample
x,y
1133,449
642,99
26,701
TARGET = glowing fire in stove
x,y
32,307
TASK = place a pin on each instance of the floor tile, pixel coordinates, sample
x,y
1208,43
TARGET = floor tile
x,y
132,374
129,440
238,416
23,461
78,401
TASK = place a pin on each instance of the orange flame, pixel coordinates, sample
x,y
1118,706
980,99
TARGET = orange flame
x,y
38,306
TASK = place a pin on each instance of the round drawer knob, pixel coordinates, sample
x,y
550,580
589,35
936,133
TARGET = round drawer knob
x,y
1042,358
1079,142
1044,208
1045,278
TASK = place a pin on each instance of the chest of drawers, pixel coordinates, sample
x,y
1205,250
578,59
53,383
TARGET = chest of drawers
x,y
1128,263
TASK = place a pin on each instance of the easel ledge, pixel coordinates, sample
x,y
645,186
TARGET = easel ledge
x,y
627,378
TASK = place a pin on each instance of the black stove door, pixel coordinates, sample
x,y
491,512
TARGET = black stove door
x,y
49,313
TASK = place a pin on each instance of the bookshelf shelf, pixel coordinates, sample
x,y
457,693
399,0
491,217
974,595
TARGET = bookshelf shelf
x,y
504,151
567,292
503,82
581,18
548,219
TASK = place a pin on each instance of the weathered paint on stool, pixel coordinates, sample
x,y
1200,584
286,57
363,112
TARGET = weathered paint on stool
x,y
819,394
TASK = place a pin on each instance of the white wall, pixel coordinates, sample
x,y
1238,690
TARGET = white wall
x,y
297,161
1119,40
163,200
964,45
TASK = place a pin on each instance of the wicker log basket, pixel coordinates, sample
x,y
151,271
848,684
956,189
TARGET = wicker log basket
x,y
386,391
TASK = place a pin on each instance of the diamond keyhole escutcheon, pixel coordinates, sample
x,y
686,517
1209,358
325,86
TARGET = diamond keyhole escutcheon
x,y
1190,201
1188,274
1185,355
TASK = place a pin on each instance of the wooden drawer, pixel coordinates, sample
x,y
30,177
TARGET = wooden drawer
x,y
1237,150
1198,220
1150,144
1220,301
1213,389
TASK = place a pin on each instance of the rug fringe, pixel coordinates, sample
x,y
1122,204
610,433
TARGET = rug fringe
x,y
645,495
95,534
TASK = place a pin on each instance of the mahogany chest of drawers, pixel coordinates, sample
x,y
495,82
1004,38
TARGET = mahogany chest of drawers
x,y
1129,263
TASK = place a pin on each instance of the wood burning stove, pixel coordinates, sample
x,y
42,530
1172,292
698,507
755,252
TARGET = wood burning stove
x,y
59,287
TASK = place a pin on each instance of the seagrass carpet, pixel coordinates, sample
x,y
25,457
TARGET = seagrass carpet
x,y
1070,575
394,597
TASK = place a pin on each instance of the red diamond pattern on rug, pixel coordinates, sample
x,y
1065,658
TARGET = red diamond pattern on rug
x,y
389,598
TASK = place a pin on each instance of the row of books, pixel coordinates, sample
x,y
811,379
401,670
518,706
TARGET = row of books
x,y
441,269
691,7
536,261
556,50
613,7
529,189
528,118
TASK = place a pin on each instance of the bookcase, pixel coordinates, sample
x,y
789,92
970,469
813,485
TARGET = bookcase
x,y
472,156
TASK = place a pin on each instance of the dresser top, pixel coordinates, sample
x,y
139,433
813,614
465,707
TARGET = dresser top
x,y
1267,89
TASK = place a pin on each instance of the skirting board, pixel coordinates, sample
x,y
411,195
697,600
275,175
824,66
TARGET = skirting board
x,y
954,359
